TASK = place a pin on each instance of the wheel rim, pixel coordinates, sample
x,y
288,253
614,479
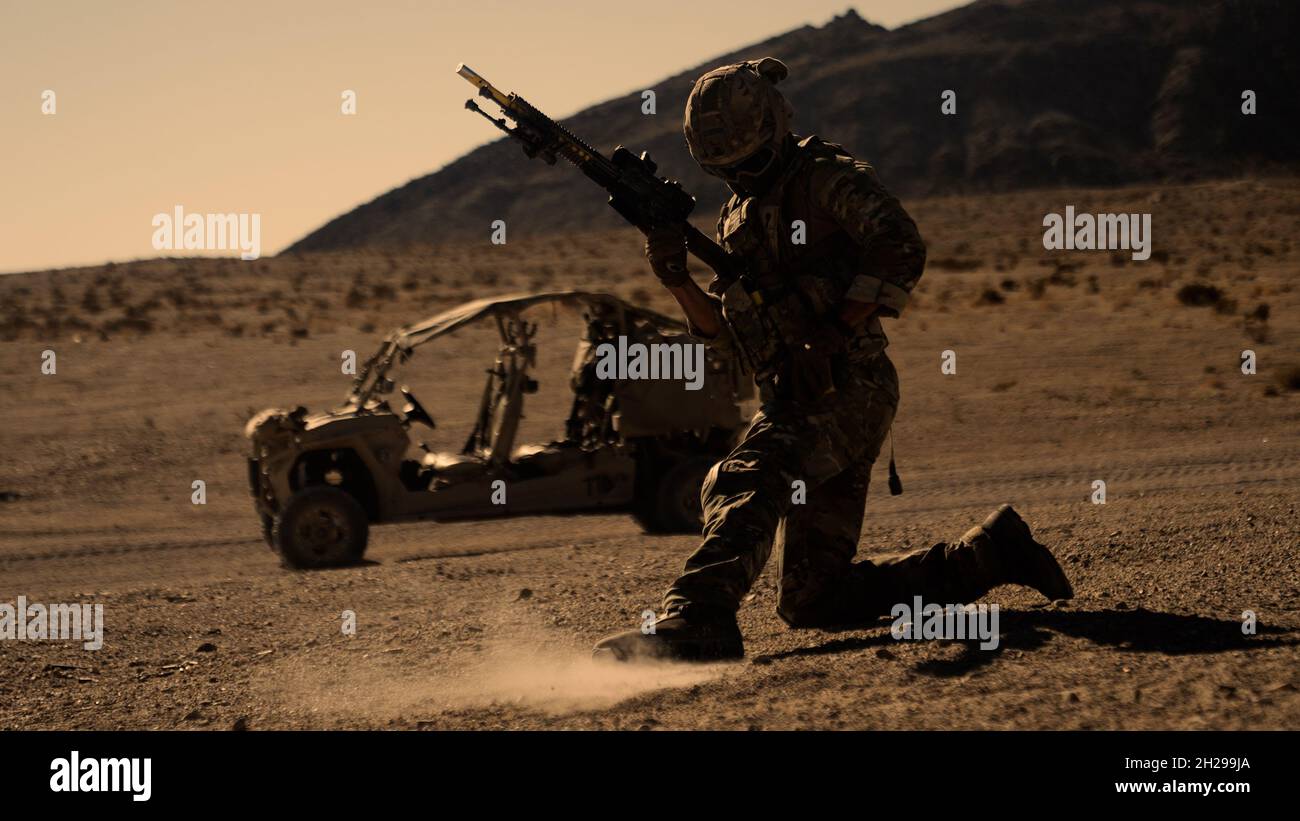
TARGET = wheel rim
x,y
323,532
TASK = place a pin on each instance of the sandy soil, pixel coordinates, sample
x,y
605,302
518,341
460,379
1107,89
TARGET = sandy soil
x,y
1072,367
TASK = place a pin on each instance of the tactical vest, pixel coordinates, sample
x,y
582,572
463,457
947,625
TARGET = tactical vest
x,y
785,289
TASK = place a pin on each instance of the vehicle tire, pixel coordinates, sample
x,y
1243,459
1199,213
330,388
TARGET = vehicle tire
x,y
321,526
268,528
677,498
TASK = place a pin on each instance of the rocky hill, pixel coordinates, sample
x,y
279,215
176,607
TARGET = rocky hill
x,y
1049,92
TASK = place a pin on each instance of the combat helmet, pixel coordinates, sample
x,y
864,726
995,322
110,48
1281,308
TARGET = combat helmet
x,y
736,121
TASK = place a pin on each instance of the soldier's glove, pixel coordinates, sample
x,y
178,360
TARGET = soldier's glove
x,y
665,247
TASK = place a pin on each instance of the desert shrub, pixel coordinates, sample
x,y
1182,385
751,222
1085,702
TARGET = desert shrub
x,y
139,324
955,263
1288,377
1063,275
1199,295
90,301
355,297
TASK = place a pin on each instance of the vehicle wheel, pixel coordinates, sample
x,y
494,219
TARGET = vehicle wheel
x,y
677,498
268,526
321,526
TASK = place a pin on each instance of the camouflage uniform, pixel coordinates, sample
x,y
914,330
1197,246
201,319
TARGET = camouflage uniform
x,y
860,244
828,392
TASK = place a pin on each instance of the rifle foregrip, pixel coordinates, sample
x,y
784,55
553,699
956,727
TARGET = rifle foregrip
x,y
707,251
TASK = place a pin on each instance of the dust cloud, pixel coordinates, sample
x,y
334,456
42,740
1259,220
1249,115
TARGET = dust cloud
x,y
506,674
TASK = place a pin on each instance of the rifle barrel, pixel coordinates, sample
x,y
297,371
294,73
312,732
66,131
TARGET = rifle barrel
x,y
484,87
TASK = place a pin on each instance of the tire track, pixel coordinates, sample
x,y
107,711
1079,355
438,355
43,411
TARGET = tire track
x,y
121,550
1132,478
1055,485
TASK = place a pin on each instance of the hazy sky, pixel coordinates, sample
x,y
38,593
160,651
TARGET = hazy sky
x,y
234,106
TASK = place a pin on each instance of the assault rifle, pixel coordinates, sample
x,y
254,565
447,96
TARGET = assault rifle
x,y
635,191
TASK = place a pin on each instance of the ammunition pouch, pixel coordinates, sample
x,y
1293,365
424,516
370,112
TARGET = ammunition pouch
x,y
767,324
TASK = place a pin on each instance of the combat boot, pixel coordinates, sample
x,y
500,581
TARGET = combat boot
x,y
999,551
1007,553
688,634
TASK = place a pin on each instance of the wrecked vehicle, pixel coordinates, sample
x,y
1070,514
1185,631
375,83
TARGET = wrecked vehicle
x,y
320,480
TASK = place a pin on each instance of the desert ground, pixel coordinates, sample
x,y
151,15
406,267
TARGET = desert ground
x,y
1072,367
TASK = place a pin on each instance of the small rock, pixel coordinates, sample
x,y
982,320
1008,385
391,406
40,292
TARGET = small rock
x,y
525,593
207,647
240,724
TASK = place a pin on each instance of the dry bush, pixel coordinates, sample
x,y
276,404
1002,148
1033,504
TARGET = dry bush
x,y
90,301
1288,377
958,264
1198,295
142,325
355,297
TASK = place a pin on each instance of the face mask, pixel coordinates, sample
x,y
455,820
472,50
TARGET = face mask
x,y
752,175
